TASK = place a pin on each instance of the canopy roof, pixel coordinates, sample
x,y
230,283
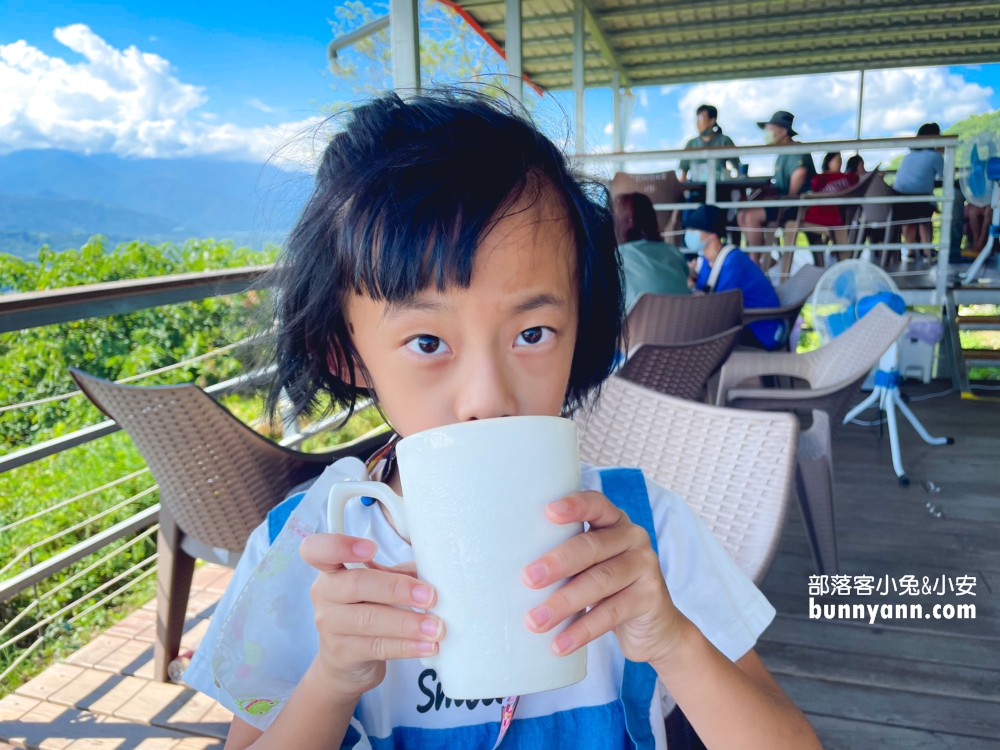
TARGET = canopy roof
x,y
677,41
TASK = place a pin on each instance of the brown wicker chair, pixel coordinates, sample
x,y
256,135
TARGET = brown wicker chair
x,y
680,370
217,480
663,319
659,187
733,467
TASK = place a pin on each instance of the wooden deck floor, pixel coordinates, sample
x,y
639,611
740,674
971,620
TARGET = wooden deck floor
x,y
927,683
923,685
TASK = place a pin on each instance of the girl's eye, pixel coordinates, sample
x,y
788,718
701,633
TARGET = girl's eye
x,y
533,336
427,345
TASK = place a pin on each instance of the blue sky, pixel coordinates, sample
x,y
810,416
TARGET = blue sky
x,y
228,79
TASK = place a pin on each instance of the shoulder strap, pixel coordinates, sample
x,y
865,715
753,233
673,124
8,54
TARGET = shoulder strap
x,y
626,488
720,259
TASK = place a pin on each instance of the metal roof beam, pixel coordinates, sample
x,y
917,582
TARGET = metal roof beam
x,y
830,42
658,75
597,34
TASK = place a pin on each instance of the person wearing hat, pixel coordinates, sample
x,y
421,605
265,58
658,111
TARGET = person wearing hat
x,y
792,174
724,267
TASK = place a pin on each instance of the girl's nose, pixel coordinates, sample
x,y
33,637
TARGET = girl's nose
x,y
484,390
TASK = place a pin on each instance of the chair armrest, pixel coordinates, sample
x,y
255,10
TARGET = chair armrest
x,y
753,314
743,365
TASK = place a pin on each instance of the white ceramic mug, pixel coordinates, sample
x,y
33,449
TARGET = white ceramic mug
x,y
474,511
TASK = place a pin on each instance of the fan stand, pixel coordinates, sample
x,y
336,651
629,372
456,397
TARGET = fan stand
x,y
886,395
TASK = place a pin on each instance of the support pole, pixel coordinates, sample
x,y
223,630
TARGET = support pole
x,y
944,235
405,34
617,136
578,80
512,48
861,99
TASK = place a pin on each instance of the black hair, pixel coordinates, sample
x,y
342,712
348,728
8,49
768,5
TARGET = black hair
x,y
828,158
853,163
713,113
404,194
929,128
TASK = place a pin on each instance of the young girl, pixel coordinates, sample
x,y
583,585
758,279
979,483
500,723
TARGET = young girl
x,y
450,266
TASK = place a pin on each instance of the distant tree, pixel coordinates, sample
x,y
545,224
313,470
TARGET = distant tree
x,y
450,51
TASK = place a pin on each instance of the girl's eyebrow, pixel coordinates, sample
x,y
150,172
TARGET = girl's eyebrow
x,y
414,304
539,300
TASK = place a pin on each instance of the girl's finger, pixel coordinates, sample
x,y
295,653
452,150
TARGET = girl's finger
x,y
378,620
357,585
582,552
327,552
601,581
361,648
407,568
587,506
606,616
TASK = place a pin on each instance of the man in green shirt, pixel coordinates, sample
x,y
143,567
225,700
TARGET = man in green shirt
x,y
710,135
792,175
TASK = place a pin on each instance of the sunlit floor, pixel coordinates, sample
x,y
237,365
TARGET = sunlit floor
x,y
910,684
102,696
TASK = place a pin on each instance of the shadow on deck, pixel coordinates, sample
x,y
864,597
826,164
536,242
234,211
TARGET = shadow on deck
x,y
924,684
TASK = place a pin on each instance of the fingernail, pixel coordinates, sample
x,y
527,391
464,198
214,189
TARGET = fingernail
x,y
430,626
539,616
426,647
364,548
536,572
559,506
563,643
421,593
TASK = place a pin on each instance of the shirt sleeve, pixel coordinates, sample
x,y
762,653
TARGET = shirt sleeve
x,y
704,582
199,672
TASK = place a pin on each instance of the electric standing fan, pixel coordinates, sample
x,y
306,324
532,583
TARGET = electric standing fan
x,y
979,180
844,294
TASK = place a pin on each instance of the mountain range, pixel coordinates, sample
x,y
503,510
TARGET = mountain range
x,y
61,198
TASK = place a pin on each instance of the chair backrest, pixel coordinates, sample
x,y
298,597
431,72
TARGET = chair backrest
x,y
663,319
797,289
217,477
680,370
852,353
733,467
877,212
659,187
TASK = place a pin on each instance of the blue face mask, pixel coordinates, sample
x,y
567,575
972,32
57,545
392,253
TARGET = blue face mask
x,y
693,240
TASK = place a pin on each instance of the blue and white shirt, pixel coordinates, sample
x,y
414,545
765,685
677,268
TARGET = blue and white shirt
x,y
618,705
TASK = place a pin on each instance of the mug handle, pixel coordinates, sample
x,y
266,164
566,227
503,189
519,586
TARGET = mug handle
x,y
341,492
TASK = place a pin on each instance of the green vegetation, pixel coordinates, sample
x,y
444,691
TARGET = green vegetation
x,y
35,363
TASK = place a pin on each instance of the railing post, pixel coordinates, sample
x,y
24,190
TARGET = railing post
x,y
174,571
710,180
944,236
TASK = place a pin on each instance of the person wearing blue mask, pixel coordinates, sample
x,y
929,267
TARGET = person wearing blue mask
x,y
724,266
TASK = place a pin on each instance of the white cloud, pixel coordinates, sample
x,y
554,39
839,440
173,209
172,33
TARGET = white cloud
x,y
256,103
643,98
609,128
126,102
664,90
825,106
638,126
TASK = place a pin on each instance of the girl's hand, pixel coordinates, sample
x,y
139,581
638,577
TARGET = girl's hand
x,y
363,615
615,572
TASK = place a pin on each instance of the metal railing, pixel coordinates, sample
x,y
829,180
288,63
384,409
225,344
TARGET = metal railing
x,y
29,310
714,155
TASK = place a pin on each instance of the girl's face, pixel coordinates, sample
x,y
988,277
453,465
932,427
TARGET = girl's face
x,y
835,164
502,347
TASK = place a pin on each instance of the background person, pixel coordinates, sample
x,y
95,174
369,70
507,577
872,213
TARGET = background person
x,y
651,265
792,174
727,267
710,135
830,180
855,165
915,176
